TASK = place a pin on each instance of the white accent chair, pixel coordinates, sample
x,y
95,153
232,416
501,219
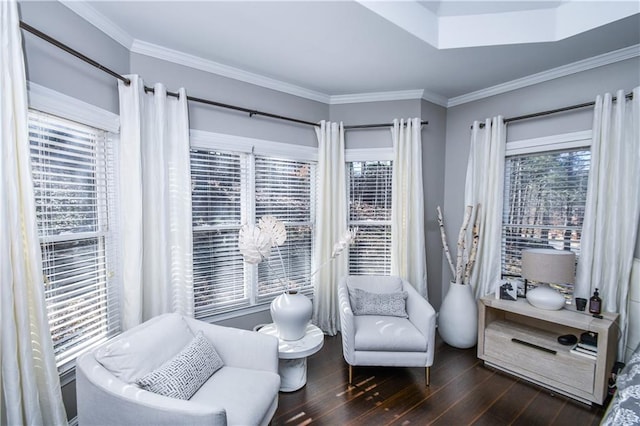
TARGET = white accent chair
x,y
243,392
375,340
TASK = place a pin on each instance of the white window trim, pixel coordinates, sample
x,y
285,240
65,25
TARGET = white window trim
x,y
561,141
202,139
369,154
55,103
64,106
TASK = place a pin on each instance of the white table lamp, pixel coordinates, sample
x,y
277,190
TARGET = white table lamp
x,y
551,267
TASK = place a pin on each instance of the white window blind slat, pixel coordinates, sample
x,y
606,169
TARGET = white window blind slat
x,y
218,180
544,203
283,188
73,188
229,190
370,210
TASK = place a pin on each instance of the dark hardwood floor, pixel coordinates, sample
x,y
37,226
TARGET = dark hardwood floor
x,y
462,392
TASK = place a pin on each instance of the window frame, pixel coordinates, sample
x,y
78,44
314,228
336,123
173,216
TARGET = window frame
x,y
573,141
246,147
366,155
48,101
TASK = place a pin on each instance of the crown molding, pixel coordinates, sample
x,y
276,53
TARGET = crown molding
x,y
563,71
181,58
98,20
353,98
435,98
91,15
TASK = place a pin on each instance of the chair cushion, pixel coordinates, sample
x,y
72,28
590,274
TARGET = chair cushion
x,y
233,387
145,347
182,376
385,333
391,304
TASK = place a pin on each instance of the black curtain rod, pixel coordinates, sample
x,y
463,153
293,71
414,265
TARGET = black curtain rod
x,y
127,82
73,52
554,111
373,126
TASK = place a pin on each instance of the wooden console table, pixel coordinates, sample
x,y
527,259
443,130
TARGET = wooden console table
x,y
521,339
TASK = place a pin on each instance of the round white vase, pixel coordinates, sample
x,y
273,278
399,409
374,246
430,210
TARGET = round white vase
x,y
543,297
458,317
291,312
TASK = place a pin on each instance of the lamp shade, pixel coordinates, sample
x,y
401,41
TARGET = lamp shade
x,y
549,266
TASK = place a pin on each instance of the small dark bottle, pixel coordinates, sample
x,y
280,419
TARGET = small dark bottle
x,y
595,303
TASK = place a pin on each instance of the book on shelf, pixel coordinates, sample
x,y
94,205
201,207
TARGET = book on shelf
x,y
577,350
587,347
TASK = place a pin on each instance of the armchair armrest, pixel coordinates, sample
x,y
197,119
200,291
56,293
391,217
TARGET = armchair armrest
x,y
106,397
347,327
423,317
238,348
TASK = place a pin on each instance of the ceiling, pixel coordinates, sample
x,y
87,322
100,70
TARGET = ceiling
x,y
330,50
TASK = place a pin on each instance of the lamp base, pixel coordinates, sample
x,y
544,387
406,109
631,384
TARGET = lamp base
x,y
544,297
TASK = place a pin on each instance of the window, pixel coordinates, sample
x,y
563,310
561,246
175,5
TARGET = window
x,y
370,211
73,182
229,190
284,189
544,202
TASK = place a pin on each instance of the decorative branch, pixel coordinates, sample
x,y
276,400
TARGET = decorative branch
x,y
445,245
474,247
461,244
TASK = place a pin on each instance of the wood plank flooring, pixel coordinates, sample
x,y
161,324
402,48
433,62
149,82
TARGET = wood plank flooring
x,y
462,392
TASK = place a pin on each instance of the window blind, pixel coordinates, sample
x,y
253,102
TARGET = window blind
x,y
544,202
72,169
285,189
370,210
218,194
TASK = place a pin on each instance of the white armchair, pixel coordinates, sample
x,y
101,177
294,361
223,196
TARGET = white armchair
x,y
243,392
382,340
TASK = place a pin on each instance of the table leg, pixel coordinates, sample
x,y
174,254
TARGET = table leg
x,y
293,374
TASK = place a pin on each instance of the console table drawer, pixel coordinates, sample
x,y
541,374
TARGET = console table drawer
x,y
537,352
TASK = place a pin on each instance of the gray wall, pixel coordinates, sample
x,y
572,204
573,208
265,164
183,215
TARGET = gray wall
x,y
53,68
372,113
569,90
433,152
433,168
209,86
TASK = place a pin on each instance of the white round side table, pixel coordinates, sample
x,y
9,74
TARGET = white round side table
x,y
293,355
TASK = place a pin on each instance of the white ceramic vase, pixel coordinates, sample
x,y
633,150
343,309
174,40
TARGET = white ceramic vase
x,y
291,312
458,317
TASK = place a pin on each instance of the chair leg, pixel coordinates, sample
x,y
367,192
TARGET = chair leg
x,y
428,375
350,373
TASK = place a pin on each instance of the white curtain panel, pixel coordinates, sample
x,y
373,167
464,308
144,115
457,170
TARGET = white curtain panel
x,y
408,253
30,387
331,223
612,212
155,189
484,185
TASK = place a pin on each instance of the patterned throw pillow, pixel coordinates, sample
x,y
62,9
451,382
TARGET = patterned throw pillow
x,y
184,374
389,304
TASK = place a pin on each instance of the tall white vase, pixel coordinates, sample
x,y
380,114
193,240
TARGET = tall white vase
x,y
291,312
458,317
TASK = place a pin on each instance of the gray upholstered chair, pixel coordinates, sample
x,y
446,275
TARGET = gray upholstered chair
x,y
243,391
385,340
